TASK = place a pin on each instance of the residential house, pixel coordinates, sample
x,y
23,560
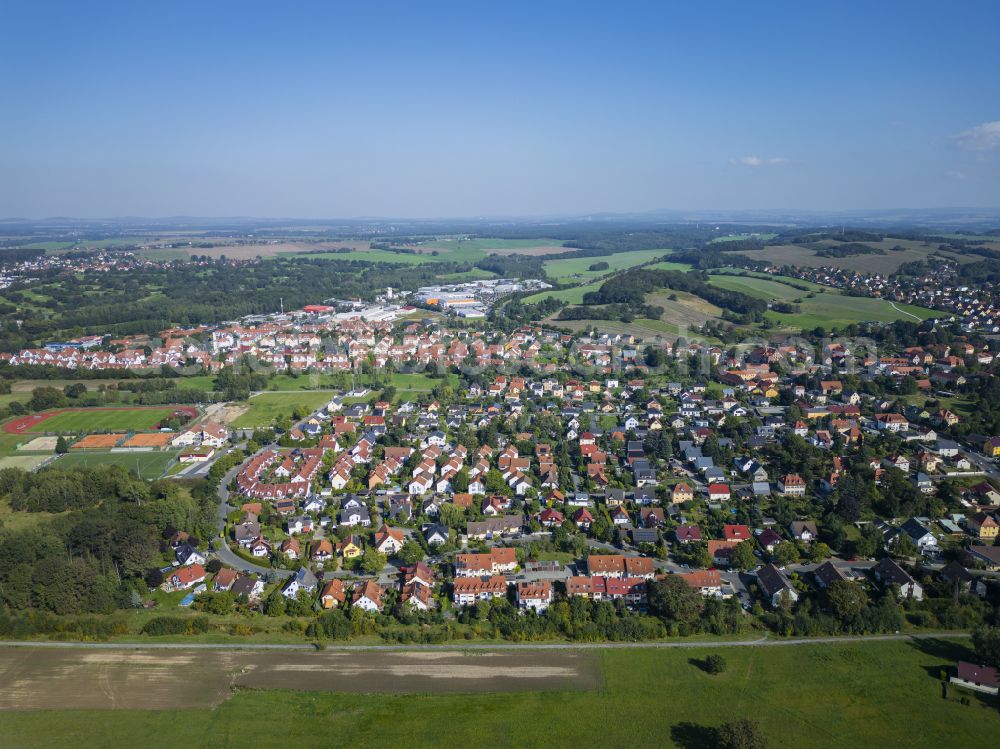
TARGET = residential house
x,y
888,572
775,585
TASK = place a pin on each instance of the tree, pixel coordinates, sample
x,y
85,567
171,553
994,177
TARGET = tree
x,y
847,600
154,577
786,553
674,600
75,390
452,516
715,664
373,561
904,548
986,641
62,446
46,397
743,733
411,553
742,557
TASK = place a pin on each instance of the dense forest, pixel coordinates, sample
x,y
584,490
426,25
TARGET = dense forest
x,y
92,557
631,288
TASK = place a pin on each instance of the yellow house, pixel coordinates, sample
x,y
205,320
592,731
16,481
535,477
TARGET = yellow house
x,y
993,447
984,527
350,548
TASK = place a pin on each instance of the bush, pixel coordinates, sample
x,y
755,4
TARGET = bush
x,y
715,664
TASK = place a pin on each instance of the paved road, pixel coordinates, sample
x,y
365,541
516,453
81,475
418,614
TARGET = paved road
x,y
762,642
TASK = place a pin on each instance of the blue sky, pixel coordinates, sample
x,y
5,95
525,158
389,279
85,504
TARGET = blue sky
x,y
475,109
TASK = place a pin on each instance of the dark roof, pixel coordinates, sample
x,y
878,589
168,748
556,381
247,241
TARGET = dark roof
x,y
955,572
828,573
891,573
644,535
986,676
991,553
772,580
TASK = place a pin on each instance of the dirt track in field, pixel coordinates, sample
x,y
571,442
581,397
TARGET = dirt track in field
x,y
81,678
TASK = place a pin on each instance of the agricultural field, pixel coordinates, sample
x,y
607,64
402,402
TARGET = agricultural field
x,y
576,269
827,307
800,255
470,250
264,408
442,250
863,695
762,236
149,465
377,256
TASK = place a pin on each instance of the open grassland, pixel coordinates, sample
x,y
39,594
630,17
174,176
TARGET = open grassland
x,y
878,695
12,520
821,306
149,465
24,387
576,269
572,295
801,255
419,382
264,408
667,265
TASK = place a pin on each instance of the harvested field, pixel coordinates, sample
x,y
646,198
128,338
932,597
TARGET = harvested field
x,y
80,678
153,439
98,442
424,672
38,679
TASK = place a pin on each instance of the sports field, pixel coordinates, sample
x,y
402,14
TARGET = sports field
x,y
865,695
149,465
85,420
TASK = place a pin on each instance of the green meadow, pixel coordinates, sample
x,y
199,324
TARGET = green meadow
x,y
874,695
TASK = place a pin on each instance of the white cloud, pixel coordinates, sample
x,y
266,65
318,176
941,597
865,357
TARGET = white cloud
x,y
985,137
756,161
